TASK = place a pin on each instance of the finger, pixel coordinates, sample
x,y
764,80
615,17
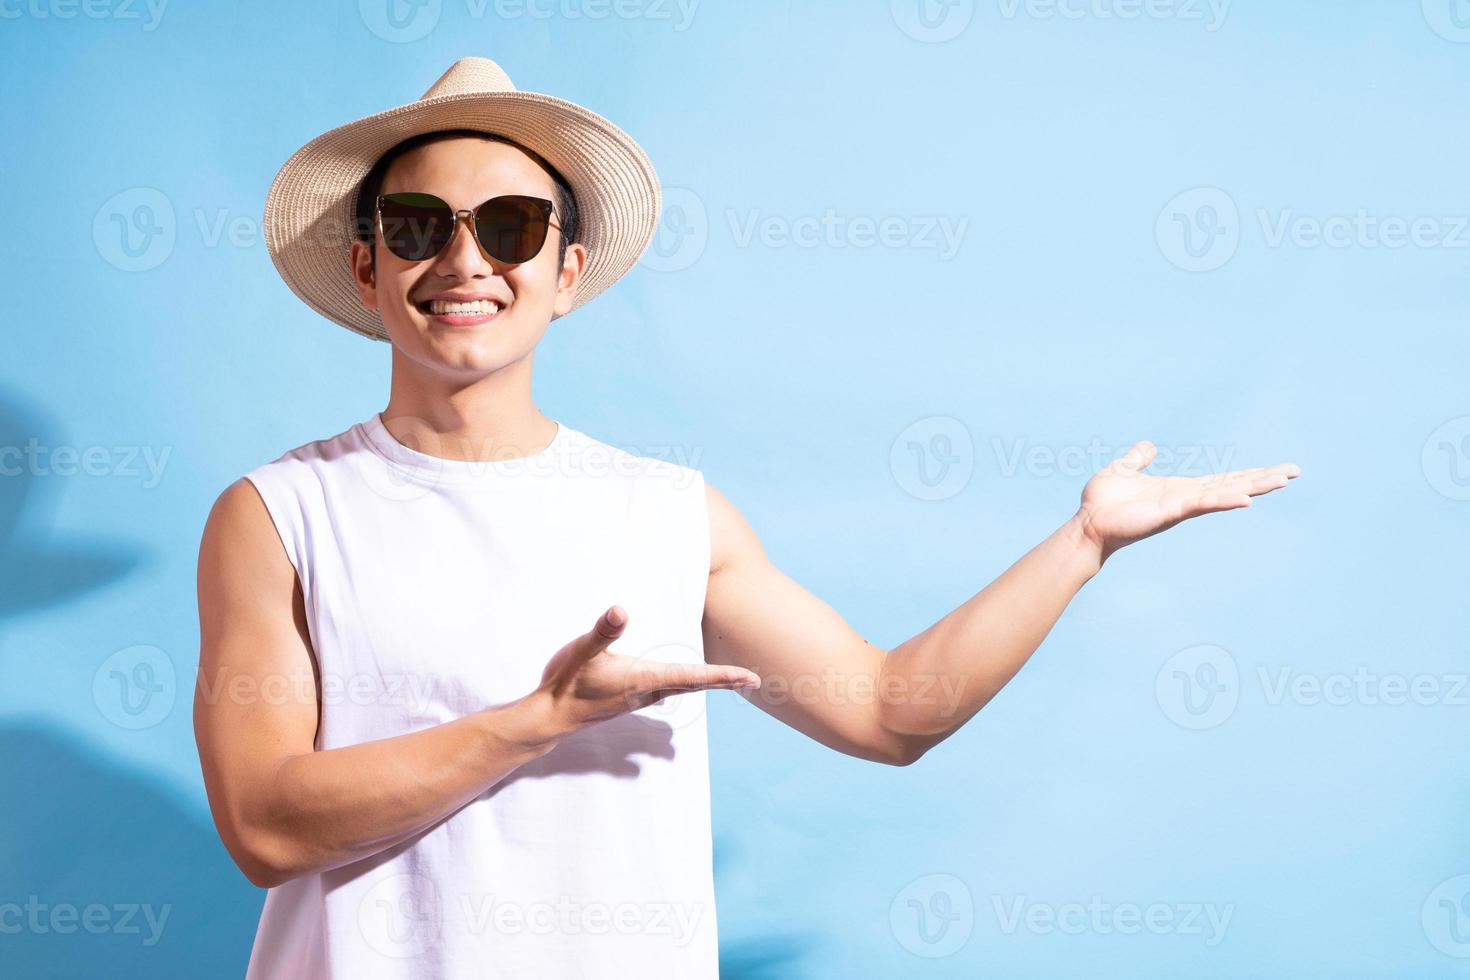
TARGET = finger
x,y
695,677
1138,456
1265,484
1235,476
1289,471
692,677
653,697
610,624
609,627
1214,501
1253,482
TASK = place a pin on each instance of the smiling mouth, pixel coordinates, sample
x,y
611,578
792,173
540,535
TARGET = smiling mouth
x,y
460,312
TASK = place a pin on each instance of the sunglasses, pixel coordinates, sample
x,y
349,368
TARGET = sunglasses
x,y
511,228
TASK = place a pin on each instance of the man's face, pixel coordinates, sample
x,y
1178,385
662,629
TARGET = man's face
x,y
464,172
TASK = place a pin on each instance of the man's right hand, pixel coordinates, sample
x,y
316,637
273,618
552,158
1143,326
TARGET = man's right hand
x,y
585,682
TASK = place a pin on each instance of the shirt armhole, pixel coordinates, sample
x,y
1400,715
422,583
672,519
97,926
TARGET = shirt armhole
x,y
285,516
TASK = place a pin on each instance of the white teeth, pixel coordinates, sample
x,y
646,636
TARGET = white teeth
x,y
443,306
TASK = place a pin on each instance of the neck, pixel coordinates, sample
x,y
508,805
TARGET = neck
x,y
491,416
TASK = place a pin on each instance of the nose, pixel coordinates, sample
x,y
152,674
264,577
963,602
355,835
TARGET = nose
x,y
462,258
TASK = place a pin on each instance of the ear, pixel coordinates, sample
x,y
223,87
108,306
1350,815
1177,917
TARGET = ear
x,y
361,260
572,268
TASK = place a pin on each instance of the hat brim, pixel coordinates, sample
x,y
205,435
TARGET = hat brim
x,y
308,224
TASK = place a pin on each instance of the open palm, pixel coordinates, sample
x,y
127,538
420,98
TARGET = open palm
x,y
1122,504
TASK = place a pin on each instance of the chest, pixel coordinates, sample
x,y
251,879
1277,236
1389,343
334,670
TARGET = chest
x,y
425,610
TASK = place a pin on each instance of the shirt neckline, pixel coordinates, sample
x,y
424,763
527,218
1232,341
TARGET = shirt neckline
x,y
422,467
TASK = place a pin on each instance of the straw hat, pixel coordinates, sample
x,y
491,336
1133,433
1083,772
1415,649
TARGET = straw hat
x,y
308,225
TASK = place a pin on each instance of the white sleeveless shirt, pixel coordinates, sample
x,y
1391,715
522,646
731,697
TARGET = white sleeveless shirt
x,y
437,587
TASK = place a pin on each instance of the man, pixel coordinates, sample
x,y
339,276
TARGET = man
x,y
453,659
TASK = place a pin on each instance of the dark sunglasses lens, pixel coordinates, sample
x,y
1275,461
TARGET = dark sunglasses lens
x,y
513,228
415,226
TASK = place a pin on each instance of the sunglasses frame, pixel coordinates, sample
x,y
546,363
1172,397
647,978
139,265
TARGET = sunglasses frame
x,y
547,207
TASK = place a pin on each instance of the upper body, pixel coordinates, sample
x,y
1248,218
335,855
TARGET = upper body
x,y
464,327
432,591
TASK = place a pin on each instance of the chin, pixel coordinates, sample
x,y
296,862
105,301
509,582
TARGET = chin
x,y
477,350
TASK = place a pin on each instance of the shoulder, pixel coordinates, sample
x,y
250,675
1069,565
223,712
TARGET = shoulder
x,y
240,516
732,540
243,523
233,508
240,546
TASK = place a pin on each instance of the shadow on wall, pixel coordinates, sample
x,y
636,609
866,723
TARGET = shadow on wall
x,y
104,871
104,874
41,568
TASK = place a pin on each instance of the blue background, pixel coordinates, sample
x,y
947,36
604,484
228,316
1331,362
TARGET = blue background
x,y
1119,181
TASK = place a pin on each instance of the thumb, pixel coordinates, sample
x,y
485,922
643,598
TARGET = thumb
x,y
1139,455
609,627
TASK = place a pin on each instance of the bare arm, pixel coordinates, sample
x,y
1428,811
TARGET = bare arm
x,y
815,669
284,809
822,678
968,656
